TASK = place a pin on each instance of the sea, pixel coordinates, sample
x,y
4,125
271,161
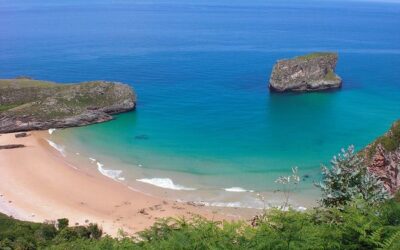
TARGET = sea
x,y
206,128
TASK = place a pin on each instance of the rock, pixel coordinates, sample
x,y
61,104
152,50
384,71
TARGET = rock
x,y
141,137
38,105
11,146
312,72
20,135
383,158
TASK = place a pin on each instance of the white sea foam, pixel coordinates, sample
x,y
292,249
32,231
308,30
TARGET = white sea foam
x,y
237,189
93,160
57,147
113,174
51,130
224,204
164,183
238,204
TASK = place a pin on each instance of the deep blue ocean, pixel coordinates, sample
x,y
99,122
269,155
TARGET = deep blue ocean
x,y
205,118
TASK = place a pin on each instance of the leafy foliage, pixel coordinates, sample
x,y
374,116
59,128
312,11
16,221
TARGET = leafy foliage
x,y
15,234
355,225
348,179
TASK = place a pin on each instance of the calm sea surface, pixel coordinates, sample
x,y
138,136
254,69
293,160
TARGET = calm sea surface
x,y
205,119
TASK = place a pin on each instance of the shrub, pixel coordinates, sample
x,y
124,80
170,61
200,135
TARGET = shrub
x,y
347,179
62,223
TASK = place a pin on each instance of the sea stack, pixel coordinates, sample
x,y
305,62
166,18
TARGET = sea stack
x,y
311,72
27,104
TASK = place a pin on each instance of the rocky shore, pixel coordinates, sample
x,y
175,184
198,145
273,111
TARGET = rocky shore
x,y
383,158
27,104
311,72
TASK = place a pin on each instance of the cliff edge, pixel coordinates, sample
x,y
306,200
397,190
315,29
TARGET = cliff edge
x,y
383,158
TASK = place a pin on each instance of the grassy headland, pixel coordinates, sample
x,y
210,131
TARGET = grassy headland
x,y
41,104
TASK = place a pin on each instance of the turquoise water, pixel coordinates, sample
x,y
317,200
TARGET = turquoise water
x,y
200,70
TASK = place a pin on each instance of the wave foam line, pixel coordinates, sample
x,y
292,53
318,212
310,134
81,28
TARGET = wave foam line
x,y
110,173
164,183
247,205
57,147
238,190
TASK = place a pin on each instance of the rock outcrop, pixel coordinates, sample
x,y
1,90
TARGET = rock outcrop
x,y
312,72
27,104
383,158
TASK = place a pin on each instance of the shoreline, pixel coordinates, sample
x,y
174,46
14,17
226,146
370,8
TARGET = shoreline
x,y
38,184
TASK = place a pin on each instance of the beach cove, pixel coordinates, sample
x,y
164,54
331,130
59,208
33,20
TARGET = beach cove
x,y
38,184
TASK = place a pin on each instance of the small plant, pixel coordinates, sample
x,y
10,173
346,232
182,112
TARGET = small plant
x,y
289,184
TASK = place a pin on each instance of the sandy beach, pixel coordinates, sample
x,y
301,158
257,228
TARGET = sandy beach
x,y
38,184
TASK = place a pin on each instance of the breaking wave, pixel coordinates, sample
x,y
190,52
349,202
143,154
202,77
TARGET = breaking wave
x,y
110,173
51,130
237,189
57,147
164,183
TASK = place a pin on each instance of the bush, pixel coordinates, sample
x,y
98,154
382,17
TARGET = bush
x,y
348,179
62,223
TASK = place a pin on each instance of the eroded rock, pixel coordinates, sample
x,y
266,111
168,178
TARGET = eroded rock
x,y
312,72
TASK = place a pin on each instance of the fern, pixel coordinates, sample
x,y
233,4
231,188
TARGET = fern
x,y
390,242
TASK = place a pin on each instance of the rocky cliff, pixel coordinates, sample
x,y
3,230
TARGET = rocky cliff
x,y
312,72
383,158
27,104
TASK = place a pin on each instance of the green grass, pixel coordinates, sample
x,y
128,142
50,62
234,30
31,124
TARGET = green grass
x,y
26,83
315,55
6,107
48,100
330,76
390,141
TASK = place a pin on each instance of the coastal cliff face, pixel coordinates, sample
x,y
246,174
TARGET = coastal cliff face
x,y
383,158
27,104
312,72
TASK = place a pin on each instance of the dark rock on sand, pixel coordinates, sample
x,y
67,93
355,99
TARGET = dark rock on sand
x,y
11,146
20,135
